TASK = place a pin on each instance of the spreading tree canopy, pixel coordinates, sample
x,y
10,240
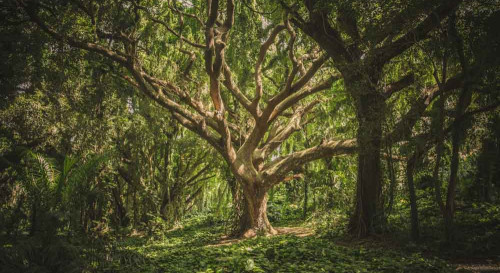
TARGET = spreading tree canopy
x,y
246,77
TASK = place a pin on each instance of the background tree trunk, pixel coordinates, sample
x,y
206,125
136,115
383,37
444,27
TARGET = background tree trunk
x,y
392,180
458,132
410,168
435,174
306,189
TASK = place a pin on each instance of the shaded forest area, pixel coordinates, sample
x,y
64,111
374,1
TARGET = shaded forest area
x,y
249,136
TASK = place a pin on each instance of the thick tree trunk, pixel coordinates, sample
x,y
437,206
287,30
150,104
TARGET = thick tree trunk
x,y
254,220
367,215
240,217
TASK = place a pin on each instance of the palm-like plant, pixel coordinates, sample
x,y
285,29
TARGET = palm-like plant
x,y
39,182
52,189
77,185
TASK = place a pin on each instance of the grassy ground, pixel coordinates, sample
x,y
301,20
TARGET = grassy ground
x,y
198,247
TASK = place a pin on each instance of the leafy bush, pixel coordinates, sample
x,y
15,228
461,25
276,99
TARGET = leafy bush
x,y
36,254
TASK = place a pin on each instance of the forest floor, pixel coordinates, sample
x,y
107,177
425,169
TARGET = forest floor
x,y
198,244
201,247
317,245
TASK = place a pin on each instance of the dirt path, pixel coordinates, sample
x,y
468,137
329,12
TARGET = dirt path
x,y
477,266
297,231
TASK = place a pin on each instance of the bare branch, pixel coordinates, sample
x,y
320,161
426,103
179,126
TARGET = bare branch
x,y
192,59
296,64
294,124
293,12
262,54
394,26
290,89
181,13
113,55
277,169
297,96
170,29
201,130
404,127
190,181
386,53
394,87
235,90
215,41
327,37
316,65
347,22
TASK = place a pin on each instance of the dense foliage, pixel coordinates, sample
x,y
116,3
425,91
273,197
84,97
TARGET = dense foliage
x,y
136,135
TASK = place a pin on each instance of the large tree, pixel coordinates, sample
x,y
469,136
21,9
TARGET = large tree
x,y
363,45
245,118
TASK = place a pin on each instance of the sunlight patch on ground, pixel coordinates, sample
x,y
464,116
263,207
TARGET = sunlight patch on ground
x,y
297,231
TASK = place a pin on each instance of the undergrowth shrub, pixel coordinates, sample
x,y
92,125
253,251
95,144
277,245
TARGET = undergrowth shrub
x,y
36,254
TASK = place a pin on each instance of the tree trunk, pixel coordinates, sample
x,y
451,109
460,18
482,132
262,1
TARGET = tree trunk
x,y
254,220
165,201
367,214
392,179
458,133
452,185
410,167
306,189
121,212
163,208
34,226
437,128
134,207
435,173
239,211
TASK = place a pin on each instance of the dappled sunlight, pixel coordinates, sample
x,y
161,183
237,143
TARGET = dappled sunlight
x,y
294,249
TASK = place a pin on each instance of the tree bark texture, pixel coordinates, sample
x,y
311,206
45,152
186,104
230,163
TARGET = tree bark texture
x,y
367,213
255,216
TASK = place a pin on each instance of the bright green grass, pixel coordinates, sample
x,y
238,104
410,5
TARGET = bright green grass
x,y
189,250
